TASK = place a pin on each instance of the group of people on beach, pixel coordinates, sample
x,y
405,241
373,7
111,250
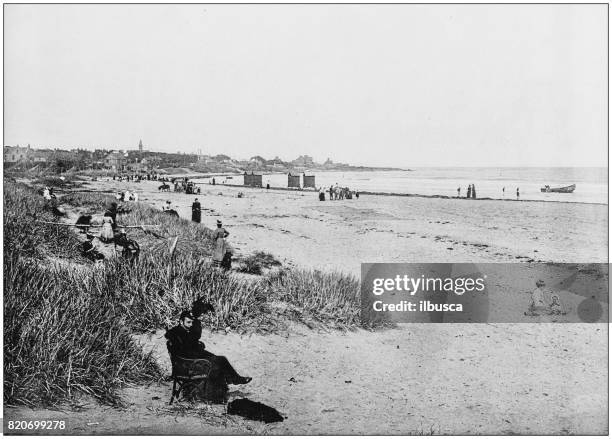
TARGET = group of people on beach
x,y
337,193
127,196
136,177
185,185
471,192
110,233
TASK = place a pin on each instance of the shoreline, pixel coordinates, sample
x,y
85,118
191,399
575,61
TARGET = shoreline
x,y
401,194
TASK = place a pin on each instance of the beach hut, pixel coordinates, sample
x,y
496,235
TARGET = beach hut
x,y
293,180
253,180
309,181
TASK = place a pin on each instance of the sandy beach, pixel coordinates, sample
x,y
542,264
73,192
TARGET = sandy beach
x,y
341,234
517,378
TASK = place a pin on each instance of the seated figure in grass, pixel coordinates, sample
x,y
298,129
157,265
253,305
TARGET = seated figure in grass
x,y
184,341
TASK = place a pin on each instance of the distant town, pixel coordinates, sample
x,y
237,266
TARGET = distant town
x,y
139,160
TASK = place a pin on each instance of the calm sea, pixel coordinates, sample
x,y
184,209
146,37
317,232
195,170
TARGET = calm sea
x,y
591,183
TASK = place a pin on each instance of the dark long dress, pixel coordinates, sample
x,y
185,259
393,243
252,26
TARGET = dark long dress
x,y
187,344
196,212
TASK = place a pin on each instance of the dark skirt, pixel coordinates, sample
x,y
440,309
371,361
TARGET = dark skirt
x,y
214,389
196,216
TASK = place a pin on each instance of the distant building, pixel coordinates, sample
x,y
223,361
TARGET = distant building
x,y
276,163
40,157
15,154
115,161
258,160
303,160
222,158
205,159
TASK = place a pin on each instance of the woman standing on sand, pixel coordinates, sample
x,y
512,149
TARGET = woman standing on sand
x,y
196,211
219,236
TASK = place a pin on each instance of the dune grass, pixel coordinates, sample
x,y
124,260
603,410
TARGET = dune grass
x,y
26,236
60,335
92,201
330,298
68,326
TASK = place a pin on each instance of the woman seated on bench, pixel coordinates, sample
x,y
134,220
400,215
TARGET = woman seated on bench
x,y
185,342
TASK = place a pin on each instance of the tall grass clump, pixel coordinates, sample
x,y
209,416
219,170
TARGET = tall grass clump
x,y
256,262
61,338
193,237
332,298
23,234
91,200
152,298
51,181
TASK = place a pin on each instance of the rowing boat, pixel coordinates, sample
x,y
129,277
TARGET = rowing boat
x,y
563,190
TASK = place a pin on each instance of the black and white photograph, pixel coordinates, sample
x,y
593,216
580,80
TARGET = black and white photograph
x,y
305,219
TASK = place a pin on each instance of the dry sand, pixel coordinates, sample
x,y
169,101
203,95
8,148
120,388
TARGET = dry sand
x,y
517,378
340,235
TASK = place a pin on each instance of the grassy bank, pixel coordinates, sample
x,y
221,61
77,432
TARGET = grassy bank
x,y
68,324
60,335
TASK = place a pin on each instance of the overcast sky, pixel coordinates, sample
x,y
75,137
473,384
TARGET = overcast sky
x,y
400,85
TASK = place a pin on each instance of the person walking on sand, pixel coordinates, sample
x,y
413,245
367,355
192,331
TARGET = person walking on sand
x,y
469,191
196,211
518,194
473,191
219,236
504,192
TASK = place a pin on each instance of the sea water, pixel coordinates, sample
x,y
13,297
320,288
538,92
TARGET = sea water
x,y
591,183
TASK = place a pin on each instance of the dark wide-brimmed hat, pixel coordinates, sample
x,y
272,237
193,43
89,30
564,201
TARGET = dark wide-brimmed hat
x,y
200,307
187,314
219,223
